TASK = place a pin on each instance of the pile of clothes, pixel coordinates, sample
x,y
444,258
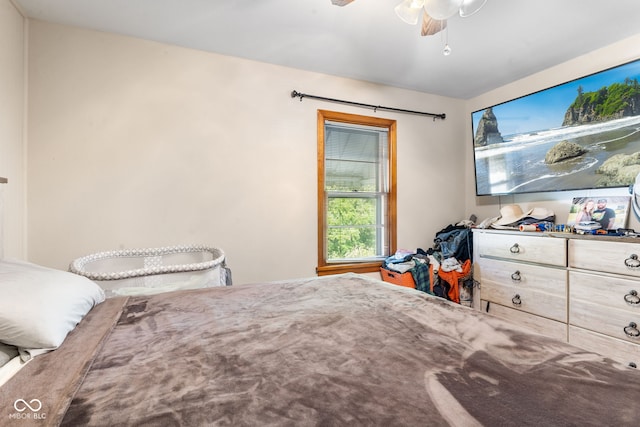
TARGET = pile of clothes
x,y
415,263
443,270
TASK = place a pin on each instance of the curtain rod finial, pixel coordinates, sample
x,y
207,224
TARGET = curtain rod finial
x,y
295,93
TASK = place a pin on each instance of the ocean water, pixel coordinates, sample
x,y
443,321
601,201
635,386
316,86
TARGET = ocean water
x,y
517,165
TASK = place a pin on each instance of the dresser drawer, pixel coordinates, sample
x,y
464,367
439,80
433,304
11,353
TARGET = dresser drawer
x,y
524,276
593,316
541,325
618,350
610,291
536,249
533,289
605,256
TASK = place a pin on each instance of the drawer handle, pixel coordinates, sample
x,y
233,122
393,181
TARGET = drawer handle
x,y
632,261
516,277
518,302
632,330
515,249
632,298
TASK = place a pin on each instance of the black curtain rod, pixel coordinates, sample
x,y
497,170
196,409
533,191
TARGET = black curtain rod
x,y
295,94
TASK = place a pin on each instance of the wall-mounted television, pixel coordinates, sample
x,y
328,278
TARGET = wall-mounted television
x,y
582,134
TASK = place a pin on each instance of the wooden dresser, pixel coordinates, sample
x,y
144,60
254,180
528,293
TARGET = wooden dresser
x,y
581,289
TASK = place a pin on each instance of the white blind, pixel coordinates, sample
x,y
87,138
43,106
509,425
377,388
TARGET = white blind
x,y
355,158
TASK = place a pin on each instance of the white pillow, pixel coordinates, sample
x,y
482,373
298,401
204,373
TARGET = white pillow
x,y
39,306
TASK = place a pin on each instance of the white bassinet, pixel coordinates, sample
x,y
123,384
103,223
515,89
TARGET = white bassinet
x,y
154,270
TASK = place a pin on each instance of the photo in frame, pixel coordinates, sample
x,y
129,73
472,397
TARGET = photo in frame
x,y
609,213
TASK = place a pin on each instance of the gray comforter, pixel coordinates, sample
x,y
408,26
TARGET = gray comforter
x,y
343,350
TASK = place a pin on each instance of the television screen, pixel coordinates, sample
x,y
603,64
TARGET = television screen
x,y
582,134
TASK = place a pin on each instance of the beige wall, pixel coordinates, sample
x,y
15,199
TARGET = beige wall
x,y
12,144
484,207
139,144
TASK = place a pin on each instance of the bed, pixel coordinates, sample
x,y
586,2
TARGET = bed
x,y
333,350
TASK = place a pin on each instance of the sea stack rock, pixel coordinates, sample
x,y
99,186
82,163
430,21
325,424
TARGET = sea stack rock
x,y
487,132
619,170
562,151
621,99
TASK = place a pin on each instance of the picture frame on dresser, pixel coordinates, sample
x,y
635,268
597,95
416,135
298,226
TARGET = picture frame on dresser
x,y
606,212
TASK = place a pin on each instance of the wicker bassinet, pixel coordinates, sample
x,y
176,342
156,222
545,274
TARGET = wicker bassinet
x,y
154,270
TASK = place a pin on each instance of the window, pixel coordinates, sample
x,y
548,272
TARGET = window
x,y
356,192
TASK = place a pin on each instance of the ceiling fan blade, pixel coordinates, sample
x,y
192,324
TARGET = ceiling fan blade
x,y
431,26
341,2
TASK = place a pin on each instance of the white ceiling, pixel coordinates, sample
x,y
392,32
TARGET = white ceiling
x,y
365,40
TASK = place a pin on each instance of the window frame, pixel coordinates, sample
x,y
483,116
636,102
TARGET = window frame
x,y
324,267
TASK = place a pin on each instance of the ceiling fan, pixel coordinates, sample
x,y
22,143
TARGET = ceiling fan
x,y
434,12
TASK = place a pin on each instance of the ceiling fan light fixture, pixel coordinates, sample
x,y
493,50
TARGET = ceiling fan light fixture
x,y
442,9
469,7
409,11
341,2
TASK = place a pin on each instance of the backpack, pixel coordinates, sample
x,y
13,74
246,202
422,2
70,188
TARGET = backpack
x,y
455,241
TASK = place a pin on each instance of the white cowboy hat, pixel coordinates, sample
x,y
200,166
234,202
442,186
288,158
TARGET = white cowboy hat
x,y
541,213
510,214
